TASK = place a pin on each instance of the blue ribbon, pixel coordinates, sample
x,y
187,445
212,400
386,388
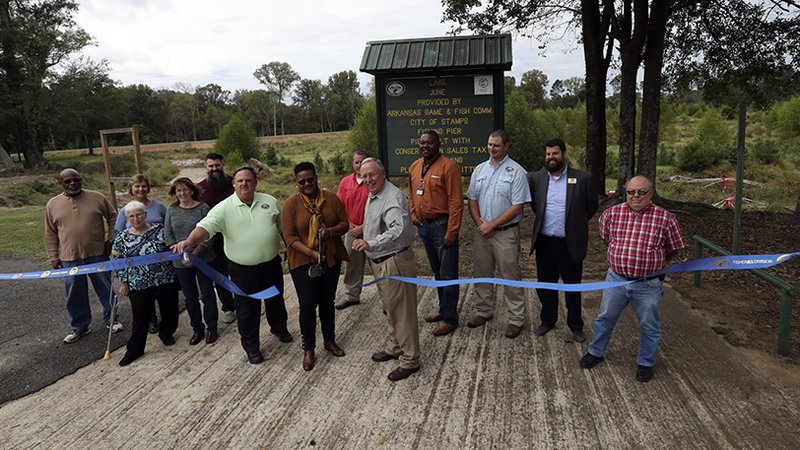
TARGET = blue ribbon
x,y
736,262
143,260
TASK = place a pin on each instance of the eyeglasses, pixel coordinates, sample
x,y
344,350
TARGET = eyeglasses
x,y
641,192
306,181
72,180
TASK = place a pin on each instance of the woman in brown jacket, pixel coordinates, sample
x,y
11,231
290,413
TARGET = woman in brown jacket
x,y
308,216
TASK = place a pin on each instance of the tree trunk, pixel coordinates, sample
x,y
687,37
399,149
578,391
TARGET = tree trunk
x,y
651,96
631,32
595,32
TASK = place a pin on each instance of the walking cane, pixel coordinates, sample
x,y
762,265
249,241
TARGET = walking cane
x,y
114,300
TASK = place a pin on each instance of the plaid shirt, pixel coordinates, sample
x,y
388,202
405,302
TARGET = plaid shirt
x,y
638,243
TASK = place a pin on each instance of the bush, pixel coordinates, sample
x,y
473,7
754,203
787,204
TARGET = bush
x,y
338,163
697,156
612,163
765,151
237,137
364,134
319,164
271,155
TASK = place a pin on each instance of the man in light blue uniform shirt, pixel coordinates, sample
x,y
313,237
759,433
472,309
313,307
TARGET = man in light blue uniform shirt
x,y
498,192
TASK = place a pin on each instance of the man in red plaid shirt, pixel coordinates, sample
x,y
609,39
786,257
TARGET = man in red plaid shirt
x,y
641,238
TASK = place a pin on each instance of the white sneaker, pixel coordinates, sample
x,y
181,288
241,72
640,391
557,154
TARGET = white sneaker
x,y
228,316
116,327
75,335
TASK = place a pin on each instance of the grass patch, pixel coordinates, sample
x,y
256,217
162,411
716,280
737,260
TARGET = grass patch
x,y
23,232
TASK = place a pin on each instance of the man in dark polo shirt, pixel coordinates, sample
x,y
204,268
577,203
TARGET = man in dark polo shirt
x,y
215,188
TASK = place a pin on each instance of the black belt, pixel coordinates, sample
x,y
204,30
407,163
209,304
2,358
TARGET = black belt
x,y
433,219
547,236
385,257
506,227
660,277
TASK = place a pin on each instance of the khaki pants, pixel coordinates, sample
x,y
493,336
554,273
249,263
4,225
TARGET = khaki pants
x,y
400,302
502,248
353,270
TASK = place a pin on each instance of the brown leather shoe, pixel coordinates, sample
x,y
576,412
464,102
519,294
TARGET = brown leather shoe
x,y
308,360
477,321
334,348
211,337
433,318
513,331
401,373
445,329
196,338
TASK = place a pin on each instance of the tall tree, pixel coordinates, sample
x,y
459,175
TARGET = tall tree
x,y
541,18
310,97
344,98
278,77
533,87
81,101
34,37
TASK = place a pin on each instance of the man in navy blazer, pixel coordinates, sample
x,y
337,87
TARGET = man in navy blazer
x,y
564,200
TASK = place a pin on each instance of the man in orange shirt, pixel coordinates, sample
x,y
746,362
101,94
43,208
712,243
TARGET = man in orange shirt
x,y
436,202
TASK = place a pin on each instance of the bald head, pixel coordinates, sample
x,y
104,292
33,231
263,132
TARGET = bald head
x,y
639,192
70,179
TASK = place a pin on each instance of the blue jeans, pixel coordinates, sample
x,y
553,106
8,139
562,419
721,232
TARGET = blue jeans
x,y
77,289
645,299
189,279
444,265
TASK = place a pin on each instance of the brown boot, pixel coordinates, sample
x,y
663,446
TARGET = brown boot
x,y
308,360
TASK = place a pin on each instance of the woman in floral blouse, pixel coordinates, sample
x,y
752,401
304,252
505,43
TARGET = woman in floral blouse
x,y
145,285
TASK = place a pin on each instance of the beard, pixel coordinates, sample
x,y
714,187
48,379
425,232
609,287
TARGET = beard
x,y
559,164
216,180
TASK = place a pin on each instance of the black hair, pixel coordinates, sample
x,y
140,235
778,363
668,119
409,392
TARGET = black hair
x,y
557,143
305,166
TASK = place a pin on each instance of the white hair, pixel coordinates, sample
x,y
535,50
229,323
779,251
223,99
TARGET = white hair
x,y
133,205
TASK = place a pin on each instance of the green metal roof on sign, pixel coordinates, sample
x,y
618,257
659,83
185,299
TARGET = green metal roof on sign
x,y
438,53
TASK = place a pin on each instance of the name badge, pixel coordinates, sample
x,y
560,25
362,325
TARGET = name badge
x,y
420,189
572,181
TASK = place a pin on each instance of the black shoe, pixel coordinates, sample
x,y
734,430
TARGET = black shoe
x,y
255,357
153,329
127,359
383,356
542,329
283,336
346,303
644,373
401,373
589,360
168,340
578,336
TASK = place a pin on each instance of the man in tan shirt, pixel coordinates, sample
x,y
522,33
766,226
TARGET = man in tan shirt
x,y
77,231
436,202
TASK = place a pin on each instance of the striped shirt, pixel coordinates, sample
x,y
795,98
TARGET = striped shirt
x,y
638,242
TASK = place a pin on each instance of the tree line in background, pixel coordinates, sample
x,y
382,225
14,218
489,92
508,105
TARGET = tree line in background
x,y
49,100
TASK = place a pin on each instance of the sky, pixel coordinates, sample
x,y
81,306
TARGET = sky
x,y
167,43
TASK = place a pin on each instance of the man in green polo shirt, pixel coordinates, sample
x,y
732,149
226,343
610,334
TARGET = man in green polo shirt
x,y
249,222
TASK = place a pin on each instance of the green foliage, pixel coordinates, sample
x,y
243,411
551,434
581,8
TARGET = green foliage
x,y
612,162
712,130
364,134
529,131
697,156
665,156
271,155
237,137
338,163
786,118
765,151
23,229
319,163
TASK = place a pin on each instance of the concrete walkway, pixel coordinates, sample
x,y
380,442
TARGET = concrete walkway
x,y
477,389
